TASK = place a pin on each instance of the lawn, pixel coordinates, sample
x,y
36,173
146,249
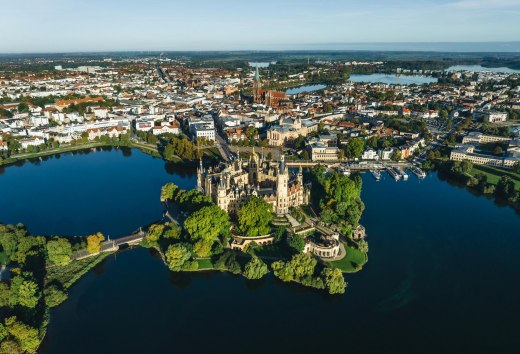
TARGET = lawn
x,y
493,174
205,264
69,274
352,261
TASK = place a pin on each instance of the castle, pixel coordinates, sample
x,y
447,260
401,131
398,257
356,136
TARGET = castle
x,y
231,184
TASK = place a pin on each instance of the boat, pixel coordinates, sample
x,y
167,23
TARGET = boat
x,y
418,172
404,175
376,175
393,173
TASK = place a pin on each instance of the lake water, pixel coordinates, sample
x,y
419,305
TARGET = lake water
x,y
480,68
392,79
306,88
442,275
112,191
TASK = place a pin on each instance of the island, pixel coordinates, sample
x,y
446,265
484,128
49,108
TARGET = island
x,y
252,216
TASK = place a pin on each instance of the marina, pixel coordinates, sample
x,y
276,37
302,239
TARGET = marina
x,y
394,173
376,175
417,171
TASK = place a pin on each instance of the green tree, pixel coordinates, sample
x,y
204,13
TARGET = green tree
x,y
254,217
4,295
255,269
516,167
203,248
505,187
354,148
59,251
498,150
26,336
168,191
396,155
207,224
176,256
54,295
155,231
334,281
296,242
28,294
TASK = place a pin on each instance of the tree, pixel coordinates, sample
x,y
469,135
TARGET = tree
x,y
373,141
207,224
168,191
254,217
296,242
505,187
4,295
396,155
466,166
59,251
28,294
176,256
155,231
255,269
94,243
26,336
498,150
54,295
354,148
203,248
334,281
516,167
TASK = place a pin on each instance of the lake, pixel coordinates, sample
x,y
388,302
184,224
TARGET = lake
x,y
306,88
392,79
480,68
107,190
441,277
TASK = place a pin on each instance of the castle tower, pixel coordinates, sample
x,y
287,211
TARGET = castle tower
x,y
282,186
200,171
222,199
300,176
257,85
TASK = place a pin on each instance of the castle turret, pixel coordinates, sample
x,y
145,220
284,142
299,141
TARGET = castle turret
x,y
200,176
300,176
282,186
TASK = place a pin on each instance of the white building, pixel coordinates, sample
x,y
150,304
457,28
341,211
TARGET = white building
x,y
370,154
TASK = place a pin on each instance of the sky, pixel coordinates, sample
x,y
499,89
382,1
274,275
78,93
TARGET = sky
x,y
174,25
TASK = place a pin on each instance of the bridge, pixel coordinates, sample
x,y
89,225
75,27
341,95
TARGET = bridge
x,y
111,245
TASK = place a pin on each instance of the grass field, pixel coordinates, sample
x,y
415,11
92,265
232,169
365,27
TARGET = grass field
x,y
205,264
493,174
69,274
352,262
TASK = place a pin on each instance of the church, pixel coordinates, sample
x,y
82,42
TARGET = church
x,y
231,184
270,98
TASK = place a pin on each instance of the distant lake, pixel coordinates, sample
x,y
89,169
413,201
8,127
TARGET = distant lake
x,y
306,88
480,68
392,79
261,64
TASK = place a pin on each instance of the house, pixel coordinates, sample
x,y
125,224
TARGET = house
x,y
370,154
173,129
32,141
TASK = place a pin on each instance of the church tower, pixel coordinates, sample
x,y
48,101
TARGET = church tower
x,y
257,85
282,187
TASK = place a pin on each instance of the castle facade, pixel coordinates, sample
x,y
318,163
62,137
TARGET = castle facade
x,y
231,184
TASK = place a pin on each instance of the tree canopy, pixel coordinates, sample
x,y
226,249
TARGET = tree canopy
x,y
254,217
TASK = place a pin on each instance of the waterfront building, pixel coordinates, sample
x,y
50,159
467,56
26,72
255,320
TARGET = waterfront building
x,y
231,184
467,152
323,152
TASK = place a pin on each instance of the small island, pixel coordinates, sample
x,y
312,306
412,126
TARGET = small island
x,y
252,216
